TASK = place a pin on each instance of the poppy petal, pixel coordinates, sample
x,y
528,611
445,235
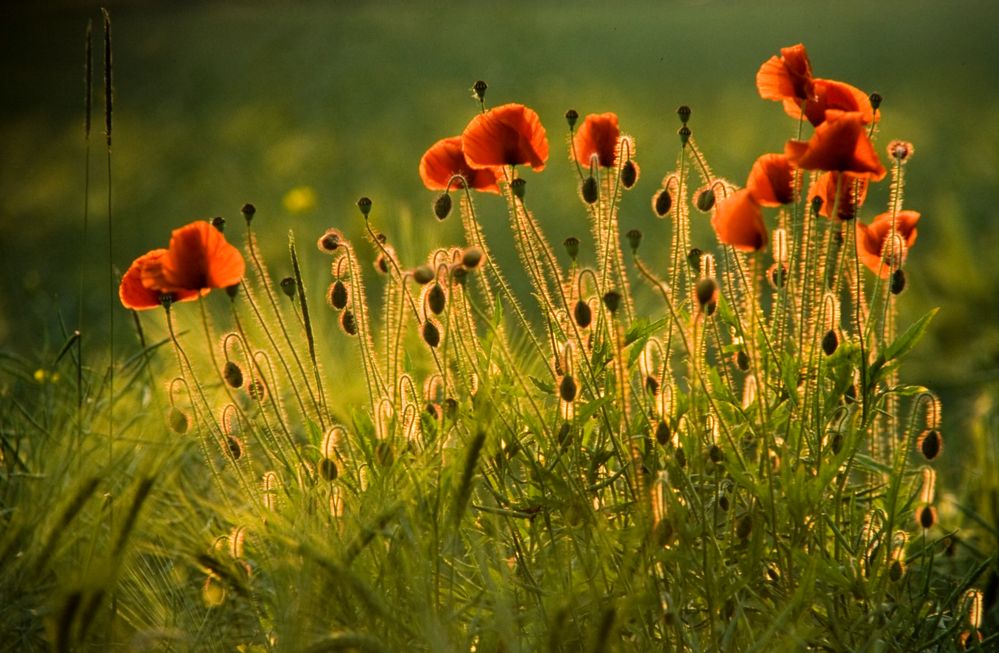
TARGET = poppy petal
x,y
738,221
852,193
839,144
771,180
597,136
510,134
786,77
871,238
444,159
135,295
199,257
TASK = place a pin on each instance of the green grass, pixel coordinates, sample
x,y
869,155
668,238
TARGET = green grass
x,y
492,529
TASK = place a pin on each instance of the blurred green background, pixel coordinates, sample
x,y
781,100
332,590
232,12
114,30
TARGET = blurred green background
x,y
222,103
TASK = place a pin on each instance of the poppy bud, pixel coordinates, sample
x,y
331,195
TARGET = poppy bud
x,y
629,174
431,334
634,237
715,454
288,287
571,116
896,570
232,374
680,457
612,299
518,186
876,100
684,135
471,257
926,517
423,274
338,295
364,204
381,263
235,447
571,245
563,435
567,388
248,212
458,273
383,454
219,223
897,284
663,203
442,206
348,323
744,526
434,410
830,342
588,189
479,90
723,502
582,314
232,290
742,360
929,443
663,433
178,421
705,200
328,470
330,240
816,205
684,112
450,407
256,389
694,260
706,291
436,299
837,442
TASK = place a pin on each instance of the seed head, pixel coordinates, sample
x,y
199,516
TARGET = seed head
x,y
876,100
248,212
900,150
684,133
519,187
219,223
684,112
571,245
479,90
571,116
634,237
364,204
288,287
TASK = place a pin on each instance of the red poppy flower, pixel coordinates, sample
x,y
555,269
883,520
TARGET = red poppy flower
x,y
852,193
787,78
445,159
871,239
839,144
833,95
199,257
738,221
771,181
507,135
136,296
597,136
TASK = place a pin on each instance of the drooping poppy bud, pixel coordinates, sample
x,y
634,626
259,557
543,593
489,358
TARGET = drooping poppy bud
x,y
629,174
442,206
582,314
612,299
288,287
567,388
431,334
662,203
436,299
588,189
232,374
338,295
348,323
830,342
423,275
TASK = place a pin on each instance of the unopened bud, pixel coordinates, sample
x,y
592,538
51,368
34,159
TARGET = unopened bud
x,y
235,447
778,276
436,299
328,470
588,189
338,295
612,299
582,314
706,290
897,284
256,390
442,206
567,388
288,286
744,526
330,240
830,342
629,174
662,203
178,421
705,200
232,374
423,275
930,443
694,260
248,212
663,434
219,223
876,100
431,334
348,323
926,517
742,360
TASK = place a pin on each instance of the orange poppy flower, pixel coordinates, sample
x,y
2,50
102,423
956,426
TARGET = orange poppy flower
x,y
839,144
871,239
787,78
833,95
445,159
136,296
771,180
597,136
738,221
507,135
852,193
199,257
